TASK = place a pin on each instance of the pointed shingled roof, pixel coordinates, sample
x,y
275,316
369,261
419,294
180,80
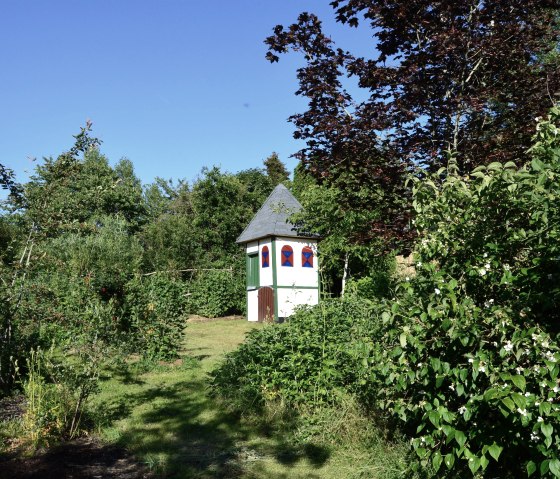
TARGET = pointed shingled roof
x,y
272,218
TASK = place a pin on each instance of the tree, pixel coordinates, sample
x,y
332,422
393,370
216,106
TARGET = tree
x,y
344,252
275,169
79,185
463,76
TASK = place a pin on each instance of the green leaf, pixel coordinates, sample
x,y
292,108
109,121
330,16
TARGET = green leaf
x,y
421,452
509,404
547,429
474,464
544,467
460,437
519,381
495,451
537,165
554,467
484,462
402,340
531,468
449,460
436,461
434,418
519,400
495,165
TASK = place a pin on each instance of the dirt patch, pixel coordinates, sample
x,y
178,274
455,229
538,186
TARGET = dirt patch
x,y
84,458
195,318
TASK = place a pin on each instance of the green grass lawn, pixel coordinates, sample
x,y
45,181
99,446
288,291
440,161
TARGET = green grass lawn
x,y
167,419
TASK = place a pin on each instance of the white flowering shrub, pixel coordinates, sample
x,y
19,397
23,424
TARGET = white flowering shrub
x,y
470,357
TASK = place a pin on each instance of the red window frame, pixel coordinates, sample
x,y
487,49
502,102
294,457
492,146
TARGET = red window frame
x,y
265,257
287,256
307,257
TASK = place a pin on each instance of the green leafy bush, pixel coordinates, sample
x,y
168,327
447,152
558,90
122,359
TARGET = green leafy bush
x,y
105,255
312,358
155,307
216,293
57,307
469,358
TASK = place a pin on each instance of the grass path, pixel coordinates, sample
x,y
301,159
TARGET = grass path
x,y
166,418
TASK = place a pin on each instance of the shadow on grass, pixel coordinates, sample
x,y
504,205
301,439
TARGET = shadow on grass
x,y
182,433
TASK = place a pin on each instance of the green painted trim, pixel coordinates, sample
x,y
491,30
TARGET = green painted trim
x,y
298,287
253,272
274,277
247,270
318,274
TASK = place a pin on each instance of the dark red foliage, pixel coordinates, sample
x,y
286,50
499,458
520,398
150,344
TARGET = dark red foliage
x,y
448,75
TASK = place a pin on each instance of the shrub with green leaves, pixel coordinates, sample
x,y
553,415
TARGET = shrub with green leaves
x,y
469,360
155,307
216,293
311,359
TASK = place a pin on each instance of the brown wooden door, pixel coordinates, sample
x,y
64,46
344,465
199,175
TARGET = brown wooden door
x,y
266,304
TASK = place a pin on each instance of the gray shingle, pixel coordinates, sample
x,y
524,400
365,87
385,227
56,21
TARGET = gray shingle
x,y
272,218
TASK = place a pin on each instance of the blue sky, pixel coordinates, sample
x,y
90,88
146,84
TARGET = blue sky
x,y
172,85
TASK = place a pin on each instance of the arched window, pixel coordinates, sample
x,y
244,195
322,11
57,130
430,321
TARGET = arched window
x,y
307,257
265,261
287,256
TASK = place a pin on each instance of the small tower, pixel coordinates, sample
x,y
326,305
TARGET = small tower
x,y
282,265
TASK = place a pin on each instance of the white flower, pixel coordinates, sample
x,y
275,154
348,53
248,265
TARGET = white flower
x,y
462,410
556,389
488,303
419,264
487,266
534,437
527,394
407,279
452,387
506,267
485,255
540,419
471,360
437,291
491,23
550,356
550,399
482,369
519,369
508,346
482,271
523,412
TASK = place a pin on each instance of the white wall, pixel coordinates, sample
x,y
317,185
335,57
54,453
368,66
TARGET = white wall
x,y
252,247
253,305
265,278
296,275
288,299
